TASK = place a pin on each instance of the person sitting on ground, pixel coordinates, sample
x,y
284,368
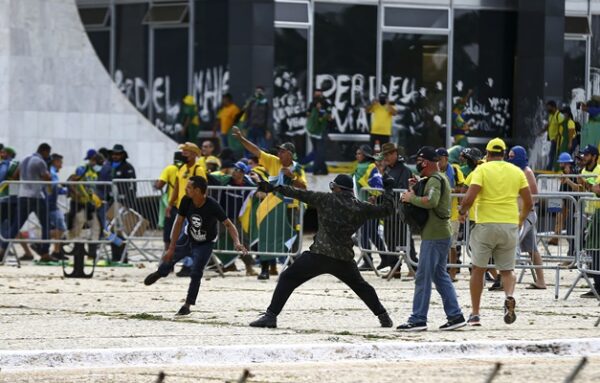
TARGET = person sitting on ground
x,y
202,214
340,215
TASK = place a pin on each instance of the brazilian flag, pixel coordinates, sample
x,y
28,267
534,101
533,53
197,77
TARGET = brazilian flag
x,y
275,233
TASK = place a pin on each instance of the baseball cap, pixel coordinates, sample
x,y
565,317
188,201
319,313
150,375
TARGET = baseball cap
x,y
564,157
90,153
442,152
190,147
212,160
496,145
241,166
287,146
428,153
590,149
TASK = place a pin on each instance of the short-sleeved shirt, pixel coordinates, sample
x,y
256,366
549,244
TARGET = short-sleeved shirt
x,y
554,122
473,209
183,174
459,179
500,184
169,176
202,221
227,116
381,120
273,166
33,168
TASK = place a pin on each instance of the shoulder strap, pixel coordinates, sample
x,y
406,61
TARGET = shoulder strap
x,y
442,189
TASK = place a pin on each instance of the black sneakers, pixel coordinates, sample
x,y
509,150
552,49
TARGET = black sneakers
x,y
264,274
268,320
474,320
184,310
412,327
454,323
151,278
385,320
185,271
509,310
589,294
497,285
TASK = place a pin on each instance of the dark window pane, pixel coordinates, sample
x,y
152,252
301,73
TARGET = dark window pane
x,y
170,82
595,57
414,78
577,25
166,14
484,63
289,86
345,60
131,69
409,17
574,71
293,12
94,17
101,42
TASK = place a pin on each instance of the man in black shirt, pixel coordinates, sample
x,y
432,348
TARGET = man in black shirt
x,y
340,216
202,214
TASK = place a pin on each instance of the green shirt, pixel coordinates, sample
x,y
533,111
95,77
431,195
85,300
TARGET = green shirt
x,y
438,206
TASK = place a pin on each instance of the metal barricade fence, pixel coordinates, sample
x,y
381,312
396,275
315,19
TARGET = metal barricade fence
x,y
588,244
268,225
49,213
388,237
560,183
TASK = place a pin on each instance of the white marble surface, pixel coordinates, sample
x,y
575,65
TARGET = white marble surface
x,y
53,88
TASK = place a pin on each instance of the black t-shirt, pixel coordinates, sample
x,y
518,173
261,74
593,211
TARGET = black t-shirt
x,y
202,221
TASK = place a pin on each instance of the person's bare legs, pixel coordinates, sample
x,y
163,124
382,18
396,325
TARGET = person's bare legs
x,y
509,281
453,259
536,259
476,288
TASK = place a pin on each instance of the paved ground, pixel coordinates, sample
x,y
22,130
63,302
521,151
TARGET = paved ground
x,y
41,310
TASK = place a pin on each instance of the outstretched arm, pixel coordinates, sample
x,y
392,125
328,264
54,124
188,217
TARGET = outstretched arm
x,y
255,150
233,233
386,207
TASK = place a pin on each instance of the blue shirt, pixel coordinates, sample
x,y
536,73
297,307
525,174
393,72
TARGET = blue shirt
x,y
55,190
450,176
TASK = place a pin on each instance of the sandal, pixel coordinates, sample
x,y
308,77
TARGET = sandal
x,y
533,286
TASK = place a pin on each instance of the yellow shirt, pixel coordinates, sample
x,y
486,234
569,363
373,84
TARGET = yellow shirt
x,y
554,122
381,120
168,176
473,209
500,184
459,180
184,173
227,116
273,166
591,206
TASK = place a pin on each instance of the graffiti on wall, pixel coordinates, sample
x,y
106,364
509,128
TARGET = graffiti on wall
x,y
289,102
208,86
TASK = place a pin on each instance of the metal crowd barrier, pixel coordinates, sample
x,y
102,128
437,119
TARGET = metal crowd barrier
x,y
59,218
588,243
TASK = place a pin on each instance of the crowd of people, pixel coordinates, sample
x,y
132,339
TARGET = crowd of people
x,y
498,187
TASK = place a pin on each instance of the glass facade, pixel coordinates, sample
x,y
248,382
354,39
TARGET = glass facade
x,y
350,50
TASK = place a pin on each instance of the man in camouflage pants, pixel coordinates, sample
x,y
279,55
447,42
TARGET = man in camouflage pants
x,y
340,216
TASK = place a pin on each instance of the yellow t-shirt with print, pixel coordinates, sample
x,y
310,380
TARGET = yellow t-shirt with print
x,y
168,176
183,175
591,206
500,184
273,166
381,120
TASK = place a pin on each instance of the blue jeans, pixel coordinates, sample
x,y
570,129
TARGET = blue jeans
x,y
432,268
200,253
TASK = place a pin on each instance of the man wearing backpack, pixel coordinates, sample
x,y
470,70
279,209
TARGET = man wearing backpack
x,y
435,244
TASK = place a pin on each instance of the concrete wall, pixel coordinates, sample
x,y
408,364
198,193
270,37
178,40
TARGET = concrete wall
x,y
54,88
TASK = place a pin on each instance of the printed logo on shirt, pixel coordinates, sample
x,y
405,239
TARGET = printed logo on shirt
x,y
196,231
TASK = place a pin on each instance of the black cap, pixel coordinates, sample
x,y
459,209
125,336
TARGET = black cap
x,y
343,181
442,152
118,148
287,146
590,149
428,153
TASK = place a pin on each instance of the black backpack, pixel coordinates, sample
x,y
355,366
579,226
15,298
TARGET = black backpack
x,y
416,217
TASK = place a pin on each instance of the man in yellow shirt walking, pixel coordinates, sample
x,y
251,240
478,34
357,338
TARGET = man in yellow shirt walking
x,y
497,185
382,113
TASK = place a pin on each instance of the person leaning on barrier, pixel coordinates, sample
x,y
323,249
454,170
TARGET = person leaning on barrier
x,y
567,215
590,168
190,168
435,246
592,240
32,199
123,170
528,233
340,215
497,185
202,214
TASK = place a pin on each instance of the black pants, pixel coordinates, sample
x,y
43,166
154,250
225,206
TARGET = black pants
x,y
310,265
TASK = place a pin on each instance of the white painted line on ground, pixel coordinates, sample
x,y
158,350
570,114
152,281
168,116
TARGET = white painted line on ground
x,y
22,360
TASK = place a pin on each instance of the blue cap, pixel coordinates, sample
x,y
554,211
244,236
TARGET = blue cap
x,y
90,153
242,166
564,157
